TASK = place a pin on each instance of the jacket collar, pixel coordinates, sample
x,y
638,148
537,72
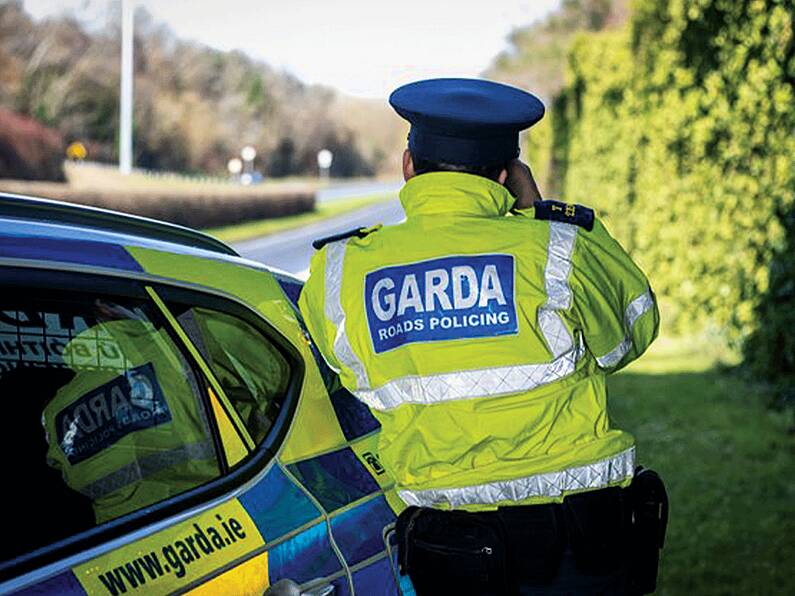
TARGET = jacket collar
x,y
454,194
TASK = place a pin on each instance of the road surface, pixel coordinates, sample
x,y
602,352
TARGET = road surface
x,y
292,249
349,190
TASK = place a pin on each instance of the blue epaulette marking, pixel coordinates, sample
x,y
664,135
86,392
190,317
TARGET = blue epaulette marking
x,y
565,212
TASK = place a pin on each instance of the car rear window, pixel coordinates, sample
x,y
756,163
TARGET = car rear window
x,y
252,371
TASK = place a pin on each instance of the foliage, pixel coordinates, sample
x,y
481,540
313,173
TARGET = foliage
x,y
29,150
537,53
536,60
189,203
538,153
195,107
770,350
680,130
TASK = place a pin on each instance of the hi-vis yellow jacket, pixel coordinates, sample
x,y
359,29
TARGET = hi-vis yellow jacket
x,y
481,343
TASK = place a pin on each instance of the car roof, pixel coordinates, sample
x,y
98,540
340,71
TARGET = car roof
x,y
38,229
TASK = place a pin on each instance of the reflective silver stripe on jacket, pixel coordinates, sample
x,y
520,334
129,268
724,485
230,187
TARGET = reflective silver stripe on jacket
x,y
549,484
556,284
335,258
147,466
486,382
633,312
464,384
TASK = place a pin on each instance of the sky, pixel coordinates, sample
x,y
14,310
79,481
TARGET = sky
x,y
364,48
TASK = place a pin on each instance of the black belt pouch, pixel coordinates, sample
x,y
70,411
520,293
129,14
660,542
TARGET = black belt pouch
x,y
650,520
451,552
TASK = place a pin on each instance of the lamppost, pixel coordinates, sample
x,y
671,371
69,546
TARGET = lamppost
x,y
126,91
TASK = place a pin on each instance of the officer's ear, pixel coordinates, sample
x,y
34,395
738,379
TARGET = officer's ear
x,y
408,166
503,176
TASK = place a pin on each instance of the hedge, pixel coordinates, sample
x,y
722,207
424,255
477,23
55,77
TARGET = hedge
x,y
680,130
197,208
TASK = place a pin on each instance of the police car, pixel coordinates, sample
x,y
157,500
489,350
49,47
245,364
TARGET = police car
x,y
168,426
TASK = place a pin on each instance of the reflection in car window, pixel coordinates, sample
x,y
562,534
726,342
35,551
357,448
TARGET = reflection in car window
x,y
107,412
251,370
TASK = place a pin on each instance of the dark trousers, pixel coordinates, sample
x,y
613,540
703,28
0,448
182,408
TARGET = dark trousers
x,y
577,547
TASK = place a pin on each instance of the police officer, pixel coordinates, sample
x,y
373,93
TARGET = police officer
x,y
481,343
133,434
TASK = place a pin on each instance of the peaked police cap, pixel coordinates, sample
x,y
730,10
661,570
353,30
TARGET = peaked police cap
x,y
467,122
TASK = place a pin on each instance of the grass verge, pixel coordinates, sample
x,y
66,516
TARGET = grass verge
x,y
264,227
728,463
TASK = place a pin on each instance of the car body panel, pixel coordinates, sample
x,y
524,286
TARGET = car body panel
x,y
321,510
172,558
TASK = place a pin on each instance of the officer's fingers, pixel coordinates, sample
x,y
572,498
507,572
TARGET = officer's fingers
x,y
516,174
520,184
517,167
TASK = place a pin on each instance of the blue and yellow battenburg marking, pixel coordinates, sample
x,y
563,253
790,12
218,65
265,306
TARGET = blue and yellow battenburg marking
x,y
245,579
74,251
179,555
221,550
335,479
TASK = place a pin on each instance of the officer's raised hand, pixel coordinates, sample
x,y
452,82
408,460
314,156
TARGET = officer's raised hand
x,y
521,184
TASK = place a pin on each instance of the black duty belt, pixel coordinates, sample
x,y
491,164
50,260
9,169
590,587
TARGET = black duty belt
x,y
491,552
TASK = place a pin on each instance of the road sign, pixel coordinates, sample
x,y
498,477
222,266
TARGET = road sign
x,y
324,159
76,151
248,153
235,166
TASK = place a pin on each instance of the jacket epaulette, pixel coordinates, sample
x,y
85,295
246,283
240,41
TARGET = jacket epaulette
x,y
358,232
578,215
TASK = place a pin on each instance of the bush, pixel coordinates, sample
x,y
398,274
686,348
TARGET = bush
x,y
679,129
28,149
196,208
770,350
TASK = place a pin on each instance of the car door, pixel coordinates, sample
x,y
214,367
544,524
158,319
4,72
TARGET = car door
x,y
232,341
353,488
144,458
